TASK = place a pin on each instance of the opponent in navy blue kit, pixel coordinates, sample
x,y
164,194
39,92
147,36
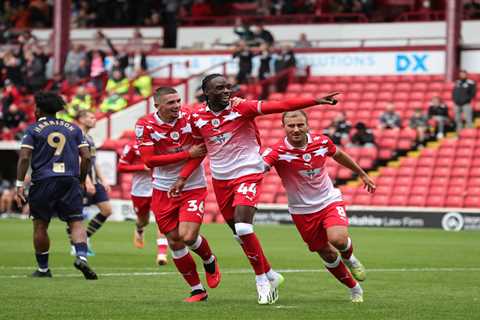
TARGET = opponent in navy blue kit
x,y
52,148
96,188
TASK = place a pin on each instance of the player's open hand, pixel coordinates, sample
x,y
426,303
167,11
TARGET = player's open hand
x,y
90,188
177,188
198,150
236,101
20,197
369,184
328,99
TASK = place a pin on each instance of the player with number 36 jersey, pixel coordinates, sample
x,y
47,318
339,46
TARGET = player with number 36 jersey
x,y
165,143
317,207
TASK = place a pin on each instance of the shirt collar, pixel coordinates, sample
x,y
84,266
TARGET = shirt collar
x,y
218,113
289,146
160,121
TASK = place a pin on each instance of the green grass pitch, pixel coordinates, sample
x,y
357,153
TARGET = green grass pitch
x,y
414,274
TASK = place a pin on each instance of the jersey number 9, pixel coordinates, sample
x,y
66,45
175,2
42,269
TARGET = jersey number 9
x,y
56,140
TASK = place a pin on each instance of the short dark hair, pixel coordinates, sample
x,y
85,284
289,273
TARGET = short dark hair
x,y
209,78
161,91
49,102
286,114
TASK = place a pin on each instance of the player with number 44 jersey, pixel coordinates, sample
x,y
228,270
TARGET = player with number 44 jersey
x,y
317,208
227,127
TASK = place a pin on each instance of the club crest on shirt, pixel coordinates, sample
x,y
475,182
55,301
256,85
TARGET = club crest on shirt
x,y
216,122
307,157
174,135
139,131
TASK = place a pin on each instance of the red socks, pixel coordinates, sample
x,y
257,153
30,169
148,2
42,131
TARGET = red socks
x,y
347,252
202,248
340,271
186,266
162,246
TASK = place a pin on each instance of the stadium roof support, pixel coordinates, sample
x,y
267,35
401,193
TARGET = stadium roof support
x,y
454,23
61,33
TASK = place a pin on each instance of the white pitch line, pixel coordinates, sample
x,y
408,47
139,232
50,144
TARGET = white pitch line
x,y
244,271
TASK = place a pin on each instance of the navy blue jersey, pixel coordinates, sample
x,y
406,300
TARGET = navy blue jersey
x,y
92,173
55,147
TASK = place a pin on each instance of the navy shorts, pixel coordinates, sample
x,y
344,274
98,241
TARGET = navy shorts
x,y
100,195
56,196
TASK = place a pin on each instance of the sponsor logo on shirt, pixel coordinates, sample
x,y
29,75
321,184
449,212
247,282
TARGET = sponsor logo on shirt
x,y
221,138
311,173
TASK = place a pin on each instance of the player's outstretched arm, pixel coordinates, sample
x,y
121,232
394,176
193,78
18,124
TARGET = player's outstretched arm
x,y
24,159
152,160
345,160
268,107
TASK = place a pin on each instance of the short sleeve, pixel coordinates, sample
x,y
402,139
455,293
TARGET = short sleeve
x,y
331,147
270,157
142,134
80,139
250,108
28,140
128,155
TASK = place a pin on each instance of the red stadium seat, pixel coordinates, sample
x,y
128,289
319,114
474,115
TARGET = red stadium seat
x,y
362,199
435,201
437,190
417,200
454,201
398,200
472,201
379,200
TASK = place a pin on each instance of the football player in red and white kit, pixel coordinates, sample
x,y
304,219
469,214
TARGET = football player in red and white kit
x,y
317,208
141,195
228,129
166,143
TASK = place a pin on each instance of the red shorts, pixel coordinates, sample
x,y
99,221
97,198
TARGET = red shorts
x,y
141,205
313,227
188,207
243,191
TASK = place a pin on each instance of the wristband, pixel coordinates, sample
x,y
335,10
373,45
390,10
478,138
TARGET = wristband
x,y
19,184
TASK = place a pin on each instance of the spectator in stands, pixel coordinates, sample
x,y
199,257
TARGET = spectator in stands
x,y
362,137
265,55
339,129
143,82
12,67
244,55
83,71
284,61
438,111
72,63
463,93
302,42
58,84
419,122
80,101
332,133
6,195
117,88
96,61
10,94
14,119
83,16
390,119
242,29
34,70
262,35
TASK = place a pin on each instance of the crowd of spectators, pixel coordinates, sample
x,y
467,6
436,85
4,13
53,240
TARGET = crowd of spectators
x,y
92,13
88,81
